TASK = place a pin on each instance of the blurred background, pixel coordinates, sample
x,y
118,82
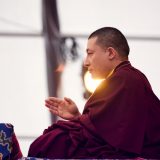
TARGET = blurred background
x,y
42,46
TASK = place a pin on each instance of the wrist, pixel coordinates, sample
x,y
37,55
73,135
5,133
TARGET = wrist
x,y
78,115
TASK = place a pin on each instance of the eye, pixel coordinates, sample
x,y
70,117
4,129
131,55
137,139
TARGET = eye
x,y
89,53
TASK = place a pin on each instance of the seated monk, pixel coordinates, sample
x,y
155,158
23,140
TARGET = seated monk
x,y
121,119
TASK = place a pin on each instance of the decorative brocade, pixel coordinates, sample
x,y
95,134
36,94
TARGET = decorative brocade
x,y
6,132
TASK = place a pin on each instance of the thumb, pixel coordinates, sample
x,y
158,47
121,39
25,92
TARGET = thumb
x,y
68,100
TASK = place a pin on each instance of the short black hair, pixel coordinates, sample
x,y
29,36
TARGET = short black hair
x,y
112,37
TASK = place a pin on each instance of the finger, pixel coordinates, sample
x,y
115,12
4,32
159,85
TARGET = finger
x,y
48,105
54,107
54,112
51,103
51,108
48,102
54,99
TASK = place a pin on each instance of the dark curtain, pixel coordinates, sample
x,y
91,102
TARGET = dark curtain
x,y
54,56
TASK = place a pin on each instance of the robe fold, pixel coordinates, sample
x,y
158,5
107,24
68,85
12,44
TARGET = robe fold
x,y
120,120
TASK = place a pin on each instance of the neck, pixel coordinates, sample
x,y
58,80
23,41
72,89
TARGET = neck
x,y
110,73
119,61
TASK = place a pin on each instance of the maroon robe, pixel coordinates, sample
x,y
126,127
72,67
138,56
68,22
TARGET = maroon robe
x,y
16,150
120,120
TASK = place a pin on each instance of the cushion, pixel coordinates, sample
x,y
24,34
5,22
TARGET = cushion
x,y
6,132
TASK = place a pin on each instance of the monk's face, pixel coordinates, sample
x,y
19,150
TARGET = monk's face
x,y
97,60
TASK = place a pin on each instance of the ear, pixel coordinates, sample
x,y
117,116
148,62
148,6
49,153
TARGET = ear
x,y
111,53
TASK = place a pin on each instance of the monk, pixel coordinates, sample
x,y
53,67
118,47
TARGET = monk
x,y
121,119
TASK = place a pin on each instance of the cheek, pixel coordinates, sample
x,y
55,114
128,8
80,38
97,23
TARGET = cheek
x,y
97,63
102,66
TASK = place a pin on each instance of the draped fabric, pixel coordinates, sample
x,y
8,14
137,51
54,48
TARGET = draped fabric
x,y
120,120
9,145
54,57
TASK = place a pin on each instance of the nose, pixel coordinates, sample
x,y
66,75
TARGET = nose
x,y
86,63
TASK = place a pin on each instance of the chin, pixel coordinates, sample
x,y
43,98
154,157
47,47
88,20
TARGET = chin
x,y
95,77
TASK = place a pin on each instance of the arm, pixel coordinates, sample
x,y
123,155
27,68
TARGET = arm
x,y
64,108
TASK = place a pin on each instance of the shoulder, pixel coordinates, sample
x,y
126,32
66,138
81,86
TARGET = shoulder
x,y
131,76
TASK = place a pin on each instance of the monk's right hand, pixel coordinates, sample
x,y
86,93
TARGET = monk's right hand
x,y
64,108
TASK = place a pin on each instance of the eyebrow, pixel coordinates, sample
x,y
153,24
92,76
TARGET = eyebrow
x,y
89,50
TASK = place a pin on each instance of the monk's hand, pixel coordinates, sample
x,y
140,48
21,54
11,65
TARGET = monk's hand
x,y
64,108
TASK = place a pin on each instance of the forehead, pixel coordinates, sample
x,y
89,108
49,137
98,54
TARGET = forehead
x,y
92,41
92,44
